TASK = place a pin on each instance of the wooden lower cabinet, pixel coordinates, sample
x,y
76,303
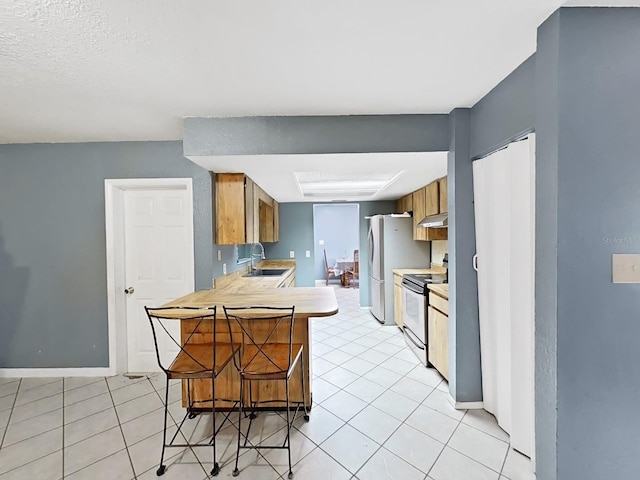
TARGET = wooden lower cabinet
x,y
438,344
397,300
227,386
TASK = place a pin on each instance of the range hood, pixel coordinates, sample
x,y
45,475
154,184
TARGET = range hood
x,y
435,221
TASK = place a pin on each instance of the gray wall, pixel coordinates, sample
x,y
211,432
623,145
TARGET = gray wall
x,y
319,134
588,184
465,380
546,255
296,233
53,299
506,112
337,225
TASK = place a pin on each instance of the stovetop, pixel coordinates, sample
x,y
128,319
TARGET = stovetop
x,y
418,282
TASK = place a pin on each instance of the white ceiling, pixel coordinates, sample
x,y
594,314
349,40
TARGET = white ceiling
x,y
275,173
115,70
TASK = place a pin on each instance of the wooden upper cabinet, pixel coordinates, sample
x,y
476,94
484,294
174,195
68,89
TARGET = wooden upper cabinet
x,y
419,208
432,206
231,226
276,221
266,221
443,194
244,212
405,204
426,202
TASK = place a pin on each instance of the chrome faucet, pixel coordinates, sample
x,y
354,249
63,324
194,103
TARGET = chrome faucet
x,y
253,255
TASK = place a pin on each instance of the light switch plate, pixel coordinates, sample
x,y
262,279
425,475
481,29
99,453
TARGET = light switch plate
x,y
320,242
307,254
626,268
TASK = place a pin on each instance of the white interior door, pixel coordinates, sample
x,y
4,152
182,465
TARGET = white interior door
x,y
504,202
158,265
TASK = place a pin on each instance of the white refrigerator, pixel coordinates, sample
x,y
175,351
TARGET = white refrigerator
x,y
391,245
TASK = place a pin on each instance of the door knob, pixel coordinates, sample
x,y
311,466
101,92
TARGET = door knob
x,y
129,290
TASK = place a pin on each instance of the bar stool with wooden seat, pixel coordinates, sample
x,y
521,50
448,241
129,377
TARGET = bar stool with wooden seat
x,y
269,353
194,360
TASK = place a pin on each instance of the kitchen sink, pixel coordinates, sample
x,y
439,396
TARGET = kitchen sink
x,y
272,272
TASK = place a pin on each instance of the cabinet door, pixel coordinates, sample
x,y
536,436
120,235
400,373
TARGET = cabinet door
x,y
276,221
438,344
443,194
408,203
251,212
405,204
397,301
419,209
266,221
230,208
432,200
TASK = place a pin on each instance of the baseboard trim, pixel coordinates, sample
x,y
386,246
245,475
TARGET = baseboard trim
x,y
56,372
465,405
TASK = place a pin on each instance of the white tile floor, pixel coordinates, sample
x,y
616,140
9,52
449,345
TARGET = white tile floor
x,y
377,414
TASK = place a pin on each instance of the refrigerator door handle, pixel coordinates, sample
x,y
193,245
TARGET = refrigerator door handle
x,y
370,248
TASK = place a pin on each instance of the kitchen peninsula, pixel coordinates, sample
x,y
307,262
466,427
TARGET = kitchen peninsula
x,y
236,290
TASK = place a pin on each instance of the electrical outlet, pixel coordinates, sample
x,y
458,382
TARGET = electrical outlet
x,y
292,254
307,254
213,283
224,268
626,268
320,242
219,254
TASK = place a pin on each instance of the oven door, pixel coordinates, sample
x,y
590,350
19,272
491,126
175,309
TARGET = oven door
x,y
414,315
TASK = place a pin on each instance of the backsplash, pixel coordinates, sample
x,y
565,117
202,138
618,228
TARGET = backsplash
x,y
438,249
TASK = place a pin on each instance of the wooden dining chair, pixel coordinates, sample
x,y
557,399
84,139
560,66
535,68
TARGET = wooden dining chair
x,y
353,273
195,360
331,271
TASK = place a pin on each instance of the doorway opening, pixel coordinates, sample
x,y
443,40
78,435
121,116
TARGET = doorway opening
x,y
335,230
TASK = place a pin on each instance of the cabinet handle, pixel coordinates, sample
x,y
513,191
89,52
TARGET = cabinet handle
x,y
475,262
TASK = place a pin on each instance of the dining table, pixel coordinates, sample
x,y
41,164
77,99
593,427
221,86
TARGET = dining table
x,y
344,264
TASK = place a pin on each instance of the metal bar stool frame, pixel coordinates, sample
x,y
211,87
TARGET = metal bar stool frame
x,y
255,364
191,354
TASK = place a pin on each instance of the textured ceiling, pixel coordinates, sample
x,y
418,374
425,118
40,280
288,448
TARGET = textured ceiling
x,y
86,70
116,70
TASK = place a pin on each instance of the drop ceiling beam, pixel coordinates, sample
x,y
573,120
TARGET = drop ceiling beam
x,y
315,134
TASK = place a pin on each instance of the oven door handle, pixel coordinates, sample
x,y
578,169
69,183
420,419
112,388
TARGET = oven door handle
x,y
410,336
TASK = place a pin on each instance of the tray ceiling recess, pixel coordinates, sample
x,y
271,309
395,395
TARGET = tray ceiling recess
x,y
344,185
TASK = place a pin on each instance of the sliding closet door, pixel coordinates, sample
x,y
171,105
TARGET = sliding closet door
x,y
503,201
491,200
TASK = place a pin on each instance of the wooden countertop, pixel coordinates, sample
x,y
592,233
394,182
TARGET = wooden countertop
x,y
239,291
235,282
441,289
309,301
406,271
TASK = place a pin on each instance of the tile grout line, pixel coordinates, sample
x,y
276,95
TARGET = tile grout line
x,y
445,446
124,440
63,429
403,422
6,429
